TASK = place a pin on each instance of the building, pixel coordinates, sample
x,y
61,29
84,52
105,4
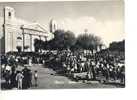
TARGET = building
x,y
52,26
15,32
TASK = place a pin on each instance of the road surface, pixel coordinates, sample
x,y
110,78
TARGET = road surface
x,y
48,79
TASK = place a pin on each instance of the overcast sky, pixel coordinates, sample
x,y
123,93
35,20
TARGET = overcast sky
x,y
102,18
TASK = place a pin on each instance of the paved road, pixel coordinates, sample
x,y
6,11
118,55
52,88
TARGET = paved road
x,y
48,79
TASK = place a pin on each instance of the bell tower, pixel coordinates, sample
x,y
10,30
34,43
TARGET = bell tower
x,y
9,15
53,26
9,35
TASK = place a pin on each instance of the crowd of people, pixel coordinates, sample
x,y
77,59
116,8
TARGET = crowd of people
x,y
96,66
107,67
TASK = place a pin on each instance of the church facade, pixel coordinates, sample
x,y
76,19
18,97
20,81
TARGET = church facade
x,y
16,33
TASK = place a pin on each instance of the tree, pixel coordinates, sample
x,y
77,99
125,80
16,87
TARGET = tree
x,y
62,40
39,45
58,41
117,46
70,39
88,42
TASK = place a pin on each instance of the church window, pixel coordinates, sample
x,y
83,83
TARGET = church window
x,y
19,38
9,14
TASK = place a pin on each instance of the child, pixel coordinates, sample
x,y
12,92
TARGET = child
x,y
36,77
19,78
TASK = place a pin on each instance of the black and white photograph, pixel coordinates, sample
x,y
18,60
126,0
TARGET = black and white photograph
x,y
62,45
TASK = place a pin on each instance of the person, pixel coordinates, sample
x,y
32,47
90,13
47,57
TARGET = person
x,y
64,67
30,61
26,74
11,61
93,64
88,67
19,78
30,78
8,68
122,74
35,78
7,78
13,79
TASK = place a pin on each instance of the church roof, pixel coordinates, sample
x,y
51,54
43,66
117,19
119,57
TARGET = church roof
x,y
34,27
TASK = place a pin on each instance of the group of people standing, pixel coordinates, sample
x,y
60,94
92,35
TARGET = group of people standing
x,y
97,68
15,78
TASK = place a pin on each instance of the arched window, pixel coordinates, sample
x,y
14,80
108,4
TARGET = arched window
x,y
19,38
9,14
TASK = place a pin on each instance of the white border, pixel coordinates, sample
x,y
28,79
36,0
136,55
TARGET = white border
x,y
97,94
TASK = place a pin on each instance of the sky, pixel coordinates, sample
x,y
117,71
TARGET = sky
x,y
102,18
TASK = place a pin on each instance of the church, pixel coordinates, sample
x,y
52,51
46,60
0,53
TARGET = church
x,y
17,33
